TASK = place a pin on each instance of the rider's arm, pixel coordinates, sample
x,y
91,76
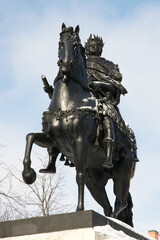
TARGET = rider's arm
x,y
104,86
108,87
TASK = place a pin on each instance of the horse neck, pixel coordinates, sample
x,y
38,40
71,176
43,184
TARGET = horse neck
x,y
79,73
73,92
70,95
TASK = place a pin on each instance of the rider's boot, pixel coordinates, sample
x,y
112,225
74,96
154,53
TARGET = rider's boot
x,y
51,168
108,144
108,141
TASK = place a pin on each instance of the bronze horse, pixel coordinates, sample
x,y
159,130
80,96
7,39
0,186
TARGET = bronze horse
x,y
70,125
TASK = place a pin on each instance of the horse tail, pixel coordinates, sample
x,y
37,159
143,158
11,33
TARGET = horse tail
x,y
127,215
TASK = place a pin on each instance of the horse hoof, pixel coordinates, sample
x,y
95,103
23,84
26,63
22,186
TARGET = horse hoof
x,y
107,212
107,165
113,215
119,208
79,209
29,176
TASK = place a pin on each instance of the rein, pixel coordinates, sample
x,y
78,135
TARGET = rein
x,y
86,88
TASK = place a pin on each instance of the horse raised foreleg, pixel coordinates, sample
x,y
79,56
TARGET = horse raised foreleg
x,y
80,149
41,139
29,175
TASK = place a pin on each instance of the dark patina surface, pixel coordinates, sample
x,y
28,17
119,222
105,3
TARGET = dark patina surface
x,y
83,123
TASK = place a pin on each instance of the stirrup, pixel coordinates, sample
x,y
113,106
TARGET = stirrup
x,y
108,142
107,164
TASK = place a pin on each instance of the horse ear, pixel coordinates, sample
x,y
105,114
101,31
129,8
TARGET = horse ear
x,y
63,26
77,29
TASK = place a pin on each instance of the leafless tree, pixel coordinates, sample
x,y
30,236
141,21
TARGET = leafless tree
x,y
19,200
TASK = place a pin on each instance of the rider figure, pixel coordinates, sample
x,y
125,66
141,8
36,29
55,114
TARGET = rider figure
x,y
105,78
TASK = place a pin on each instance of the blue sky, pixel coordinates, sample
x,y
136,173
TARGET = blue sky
x,y
29,33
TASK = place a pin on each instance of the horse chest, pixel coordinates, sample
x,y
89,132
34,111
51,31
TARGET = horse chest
x,y
69,95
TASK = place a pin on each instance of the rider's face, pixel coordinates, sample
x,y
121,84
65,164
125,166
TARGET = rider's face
x,y
93,48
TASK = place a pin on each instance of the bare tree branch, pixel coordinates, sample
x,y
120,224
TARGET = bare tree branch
x,y
44,197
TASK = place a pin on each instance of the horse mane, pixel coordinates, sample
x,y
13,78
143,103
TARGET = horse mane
x,y
82,50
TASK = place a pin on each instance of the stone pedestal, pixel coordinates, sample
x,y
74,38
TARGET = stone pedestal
x,y
78,234
76,226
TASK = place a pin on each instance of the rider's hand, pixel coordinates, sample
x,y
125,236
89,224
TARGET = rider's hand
x,y
48,89
95,85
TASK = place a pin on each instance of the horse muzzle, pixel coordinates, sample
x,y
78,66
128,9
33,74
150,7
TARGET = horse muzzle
x,y
65,71
66,68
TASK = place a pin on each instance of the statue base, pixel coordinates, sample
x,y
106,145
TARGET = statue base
x,y
76,225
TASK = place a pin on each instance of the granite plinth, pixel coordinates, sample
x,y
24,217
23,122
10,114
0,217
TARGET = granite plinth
x,y
62,222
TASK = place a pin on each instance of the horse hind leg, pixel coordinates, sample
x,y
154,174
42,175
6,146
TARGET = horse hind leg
x,y
121,190
95,182
127,215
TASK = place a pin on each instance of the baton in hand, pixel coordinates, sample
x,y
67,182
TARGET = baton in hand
x,y
47,87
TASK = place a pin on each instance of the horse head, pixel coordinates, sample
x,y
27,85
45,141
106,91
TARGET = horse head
x,y
70,49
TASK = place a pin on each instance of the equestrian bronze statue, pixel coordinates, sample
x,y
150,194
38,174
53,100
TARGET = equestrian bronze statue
x,y
83,123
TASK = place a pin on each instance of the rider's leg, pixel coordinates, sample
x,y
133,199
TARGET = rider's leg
x,y
109,138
